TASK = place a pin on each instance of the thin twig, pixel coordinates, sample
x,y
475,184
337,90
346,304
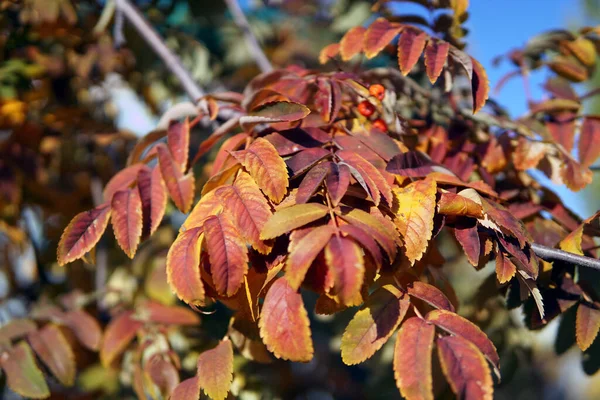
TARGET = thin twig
x,y
549,254
193,90
101,272
255,50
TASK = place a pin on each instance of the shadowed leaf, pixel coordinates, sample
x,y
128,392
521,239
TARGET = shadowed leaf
x,y
430,294
22,373
178,142
465,368
82,234
156,312
312,181
304,160
122,180
374,179
587,326
189,389
468,237
54,350
412,359
85,327
117,336
284,324
345,260
153,195
337,182
589,139
180,187
227,252
215,370
281,111
303,251
480,86
16,328
373,325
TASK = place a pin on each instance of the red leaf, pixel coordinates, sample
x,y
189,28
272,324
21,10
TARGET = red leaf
x,y
468,237
385,235
189,389
22,374
119,333
562,128
412,359
373,178
215,370
229,145
55,351
227,252
312,181
210,204
122,180
410,46
436,54
158,313
180,187
178,142
183,266
430,294
304,160
127,219
589,140
266,167
352,42
248,208
82,234
345,260
587,325
365,240
162,373
303,251
459,326
153,195
85,327
337,182
480,86
372,325
575,175
379,34
465,368
284,324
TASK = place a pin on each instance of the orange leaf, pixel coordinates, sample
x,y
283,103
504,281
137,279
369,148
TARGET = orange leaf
x,y
302,253
224,151
412,359
505,269
429,294
456,204
278,111
293,217
345,260
266,167
122,180
589,138
373,325
328,52
153,195
55,351
208,206
183,266
189,389
215,370
374,180
465,368
119,333
385,235
480,86
248,208
23,376
414,217
85,327
379,34
158,313
127,219
575,175
284,324
178,142
410,46
365,240
436,53
162,373
459,326
568,69
587,325
82,234
180,187
352,42
227,253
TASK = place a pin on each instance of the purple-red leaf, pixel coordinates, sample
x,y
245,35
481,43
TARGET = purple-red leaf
x,y
180,187
178,141
127,219
436,53
589,141
153,195
410,46
82,233
430,294
119,333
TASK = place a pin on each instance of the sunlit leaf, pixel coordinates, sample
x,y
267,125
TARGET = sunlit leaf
x,y
158,313
373,325
266,167
215,370
429,294
345,260
328,52
456,204
284,324
178,142
180,187
379,34
410,46
587,325
281,111
82,233
352,42
412,359
208,206
122,180
589,151
183,266
126,219
153,195
505,269
293,217
303,252
188,389
414,217
384,235
436,53
16,328
480,86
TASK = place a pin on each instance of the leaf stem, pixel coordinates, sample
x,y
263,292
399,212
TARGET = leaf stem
x,y
549,254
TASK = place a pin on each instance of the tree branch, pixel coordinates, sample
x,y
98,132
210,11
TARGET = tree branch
x,y
193,90
255,50
549,254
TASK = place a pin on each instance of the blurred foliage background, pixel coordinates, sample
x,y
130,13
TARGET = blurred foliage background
x,y
63,76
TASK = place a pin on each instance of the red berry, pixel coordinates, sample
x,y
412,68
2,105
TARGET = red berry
x,y
381,125
377,90
366,108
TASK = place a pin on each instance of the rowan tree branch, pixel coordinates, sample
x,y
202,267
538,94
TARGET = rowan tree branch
x,y
193,90
255,50
549,254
